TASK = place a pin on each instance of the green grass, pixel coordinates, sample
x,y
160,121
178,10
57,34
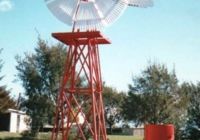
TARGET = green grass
x,y
7,135
46,136
18,136
116,137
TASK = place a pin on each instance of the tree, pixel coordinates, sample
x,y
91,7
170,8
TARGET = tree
x,y
112,102
152,96
40,74
180,108
6,101
156,98
192,129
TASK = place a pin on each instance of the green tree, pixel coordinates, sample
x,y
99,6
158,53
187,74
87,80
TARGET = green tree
x,y
112,102
180,108
6,101
151,96
192,129
40,74
156,98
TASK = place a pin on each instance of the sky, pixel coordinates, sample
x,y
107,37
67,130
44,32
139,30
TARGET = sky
x,y
167,33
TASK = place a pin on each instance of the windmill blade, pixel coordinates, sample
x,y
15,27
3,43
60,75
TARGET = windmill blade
x,y
141,3
90,14
62,9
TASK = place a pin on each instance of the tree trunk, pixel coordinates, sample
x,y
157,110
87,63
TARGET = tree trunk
x,y
110,128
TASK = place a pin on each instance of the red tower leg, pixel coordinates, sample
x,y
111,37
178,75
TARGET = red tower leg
x,y
79,107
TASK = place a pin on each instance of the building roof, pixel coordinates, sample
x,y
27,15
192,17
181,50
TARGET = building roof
x,y
15,111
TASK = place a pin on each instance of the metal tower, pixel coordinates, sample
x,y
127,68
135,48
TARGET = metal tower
x,y
81,108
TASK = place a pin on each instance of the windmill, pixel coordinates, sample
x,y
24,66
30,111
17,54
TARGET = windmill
x,y
79,105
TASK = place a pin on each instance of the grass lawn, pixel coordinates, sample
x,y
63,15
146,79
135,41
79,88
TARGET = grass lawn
x,y
46,136
124,138
7,135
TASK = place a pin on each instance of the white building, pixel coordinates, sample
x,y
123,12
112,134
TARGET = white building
x,y
14,121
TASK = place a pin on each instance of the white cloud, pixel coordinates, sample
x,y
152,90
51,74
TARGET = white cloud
x,y
5,5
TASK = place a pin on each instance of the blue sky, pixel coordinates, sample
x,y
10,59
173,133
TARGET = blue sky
x,y
168,33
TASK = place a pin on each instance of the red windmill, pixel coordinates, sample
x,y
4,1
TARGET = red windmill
x,y
80,107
